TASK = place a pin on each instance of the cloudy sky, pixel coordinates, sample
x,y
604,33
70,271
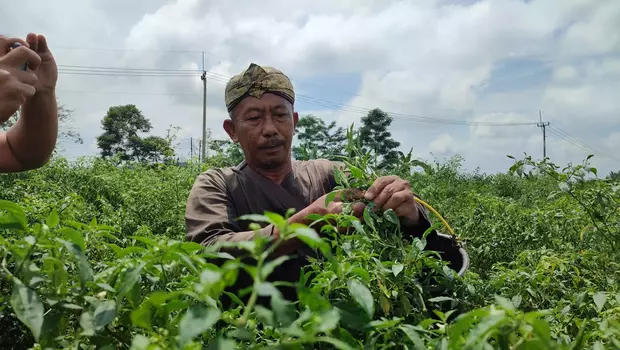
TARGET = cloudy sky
x,y
459,77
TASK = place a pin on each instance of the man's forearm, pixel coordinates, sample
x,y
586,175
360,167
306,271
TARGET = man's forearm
x,y
33,137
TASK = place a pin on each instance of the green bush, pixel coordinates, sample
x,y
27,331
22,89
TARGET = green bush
x,y
93,256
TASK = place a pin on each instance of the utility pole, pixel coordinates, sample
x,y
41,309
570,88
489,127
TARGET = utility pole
x,y
191,148
543,126
204,109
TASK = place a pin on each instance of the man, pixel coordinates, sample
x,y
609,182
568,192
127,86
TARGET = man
x,y
29,143
260,104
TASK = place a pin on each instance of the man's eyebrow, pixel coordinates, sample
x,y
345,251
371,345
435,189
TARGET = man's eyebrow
x,y
251,109
279,106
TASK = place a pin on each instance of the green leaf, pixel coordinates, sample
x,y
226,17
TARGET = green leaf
x,y
270,266
309,236
356,172
52,219
73,236
439,299
27,307
141,317
130,278
413,335
196,320
87,322
329,321
391,216
255,218
14,218
340,178
283,310
397,268
275,219
222,344
599,299
564,186
104,314
362,296
330,198
484,328
86,272
504,303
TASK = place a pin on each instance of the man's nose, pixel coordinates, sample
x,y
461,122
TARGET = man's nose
x,y
269,127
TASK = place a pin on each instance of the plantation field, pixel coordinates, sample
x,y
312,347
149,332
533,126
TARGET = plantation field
x,y
94,256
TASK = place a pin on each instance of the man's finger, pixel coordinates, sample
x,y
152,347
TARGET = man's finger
x,y
17,57
358,209
378,186
398,199
7,43
33,41
42,42
25,77
387,192
27,91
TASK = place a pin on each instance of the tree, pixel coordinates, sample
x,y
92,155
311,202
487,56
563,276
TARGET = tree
x,y
318,139
121,126
375,137
227,153
154,149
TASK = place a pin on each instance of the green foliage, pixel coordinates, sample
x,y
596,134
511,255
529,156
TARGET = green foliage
x,y
376,138
227,153
92,255
120,138
318,139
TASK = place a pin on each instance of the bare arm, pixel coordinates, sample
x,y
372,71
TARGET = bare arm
x,y
30,142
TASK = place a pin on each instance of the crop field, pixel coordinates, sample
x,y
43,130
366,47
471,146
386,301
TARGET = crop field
x,y
94,256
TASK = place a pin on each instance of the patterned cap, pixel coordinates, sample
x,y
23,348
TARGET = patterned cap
x,y
255,81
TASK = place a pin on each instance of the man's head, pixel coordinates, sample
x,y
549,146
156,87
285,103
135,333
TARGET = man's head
x,y
260,104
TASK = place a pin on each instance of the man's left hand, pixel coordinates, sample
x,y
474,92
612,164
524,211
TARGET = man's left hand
x,y
392,192
47,71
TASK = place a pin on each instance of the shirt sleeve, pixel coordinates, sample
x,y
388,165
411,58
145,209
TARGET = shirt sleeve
x,y
210,215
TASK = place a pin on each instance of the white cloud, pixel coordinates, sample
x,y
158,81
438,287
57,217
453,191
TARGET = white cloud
x,y
443,144
419,59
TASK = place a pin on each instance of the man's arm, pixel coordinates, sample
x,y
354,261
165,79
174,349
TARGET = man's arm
x,y
30,142
210,216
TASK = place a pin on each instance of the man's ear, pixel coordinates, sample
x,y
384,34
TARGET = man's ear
x,y
229,126
295,121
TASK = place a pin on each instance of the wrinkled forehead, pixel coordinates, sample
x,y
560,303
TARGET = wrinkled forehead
x,y
267,102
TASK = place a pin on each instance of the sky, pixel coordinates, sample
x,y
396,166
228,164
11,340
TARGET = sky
x,y
468,78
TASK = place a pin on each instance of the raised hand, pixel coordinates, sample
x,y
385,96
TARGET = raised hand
x,y
16,86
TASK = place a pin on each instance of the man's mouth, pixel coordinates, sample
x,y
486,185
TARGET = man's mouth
x,y
272,146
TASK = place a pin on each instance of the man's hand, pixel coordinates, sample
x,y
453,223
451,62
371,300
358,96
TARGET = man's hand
x,y
30,142
47,71
16,86
392,192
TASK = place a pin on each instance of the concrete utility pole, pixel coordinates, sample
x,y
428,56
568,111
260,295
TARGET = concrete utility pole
x,y
543,126
204,109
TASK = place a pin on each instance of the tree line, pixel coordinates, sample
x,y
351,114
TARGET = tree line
x,y
123,125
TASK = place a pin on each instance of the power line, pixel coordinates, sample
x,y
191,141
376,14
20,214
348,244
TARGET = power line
x,y
112,71
563,135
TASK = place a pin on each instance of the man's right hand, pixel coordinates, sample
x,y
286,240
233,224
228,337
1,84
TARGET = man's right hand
x,y
318,207
16,86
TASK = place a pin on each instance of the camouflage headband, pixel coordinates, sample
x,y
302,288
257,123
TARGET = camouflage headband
x,y
255,81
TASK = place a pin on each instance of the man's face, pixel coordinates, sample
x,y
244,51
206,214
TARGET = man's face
x,y
264,128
